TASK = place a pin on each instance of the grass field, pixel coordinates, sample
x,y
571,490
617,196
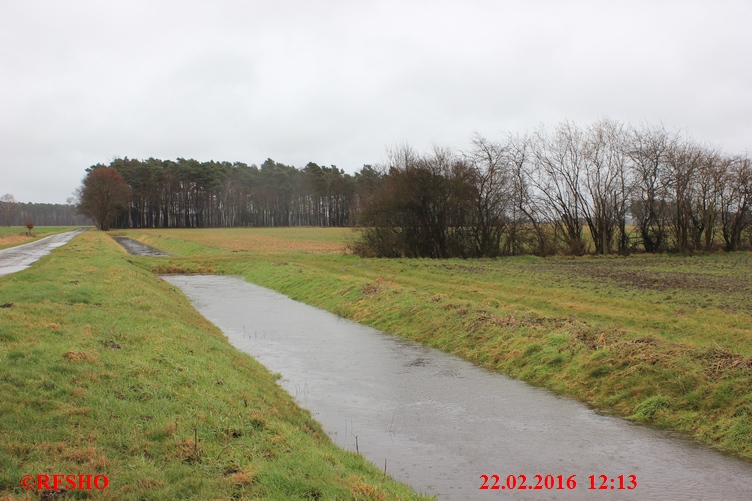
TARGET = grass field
x,y
259,240
107,370
662,339
11,236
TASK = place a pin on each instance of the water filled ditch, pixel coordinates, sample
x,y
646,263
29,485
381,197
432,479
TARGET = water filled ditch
x,y
438,423
137,248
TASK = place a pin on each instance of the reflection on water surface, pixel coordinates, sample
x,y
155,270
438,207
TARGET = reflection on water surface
x,y
440,422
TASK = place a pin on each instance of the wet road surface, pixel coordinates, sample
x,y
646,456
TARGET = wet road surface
x,y
21,257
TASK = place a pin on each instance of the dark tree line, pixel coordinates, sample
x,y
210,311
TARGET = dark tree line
x,y
13,213
187,193
51,215
603,189
606,188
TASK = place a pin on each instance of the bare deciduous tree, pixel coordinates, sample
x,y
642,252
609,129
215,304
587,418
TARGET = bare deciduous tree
x,y
493,181
606,187
708,185
735,206
527,193
682,161
8,208
559,169
648,148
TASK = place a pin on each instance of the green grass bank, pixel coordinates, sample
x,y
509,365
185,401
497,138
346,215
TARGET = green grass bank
x,y
665,340
106,369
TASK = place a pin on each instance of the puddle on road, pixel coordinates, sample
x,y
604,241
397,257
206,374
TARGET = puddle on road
x,y
20,257
439,422
137,248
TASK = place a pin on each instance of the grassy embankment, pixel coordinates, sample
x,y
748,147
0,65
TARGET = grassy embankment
x,y
106,369
661,339
11,236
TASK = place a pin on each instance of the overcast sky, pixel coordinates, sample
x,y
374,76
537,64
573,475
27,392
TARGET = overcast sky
x,y
339,82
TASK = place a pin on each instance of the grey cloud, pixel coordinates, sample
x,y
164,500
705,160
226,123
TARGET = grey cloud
x,y
337,82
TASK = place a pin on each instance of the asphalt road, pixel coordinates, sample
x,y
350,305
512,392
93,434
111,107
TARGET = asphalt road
x,y
21,257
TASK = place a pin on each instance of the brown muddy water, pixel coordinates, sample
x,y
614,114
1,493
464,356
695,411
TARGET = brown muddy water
x,y
438,422
20,257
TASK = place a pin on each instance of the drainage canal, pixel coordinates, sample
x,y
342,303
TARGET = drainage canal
x,y
438,423
137,248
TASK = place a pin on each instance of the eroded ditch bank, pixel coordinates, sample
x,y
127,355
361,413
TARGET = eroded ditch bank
x,y
439,423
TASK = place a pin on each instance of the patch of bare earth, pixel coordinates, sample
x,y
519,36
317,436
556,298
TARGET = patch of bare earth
x,y
731,290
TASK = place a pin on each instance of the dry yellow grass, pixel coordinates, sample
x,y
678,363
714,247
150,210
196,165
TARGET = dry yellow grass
x,y
266,240
14,239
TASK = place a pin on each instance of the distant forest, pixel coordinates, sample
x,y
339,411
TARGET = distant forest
x,y
607,188
48,215
186,193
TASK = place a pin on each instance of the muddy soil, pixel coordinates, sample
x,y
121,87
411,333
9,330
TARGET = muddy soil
x,y
726,286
